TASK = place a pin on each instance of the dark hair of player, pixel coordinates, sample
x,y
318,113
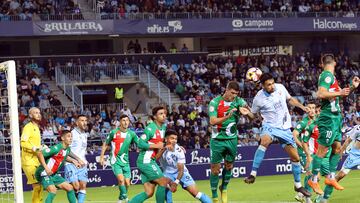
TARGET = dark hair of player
x,y
156,109
265,76
170,132
123,116
233,85
64,132
327,59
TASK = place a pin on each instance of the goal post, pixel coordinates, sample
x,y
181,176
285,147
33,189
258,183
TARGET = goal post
x,y
9,69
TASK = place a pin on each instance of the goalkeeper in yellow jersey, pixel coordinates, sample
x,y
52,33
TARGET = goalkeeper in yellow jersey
x,y
30,145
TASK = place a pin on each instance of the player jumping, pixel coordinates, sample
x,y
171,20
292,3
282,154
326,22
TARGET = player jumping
x,y
329,123
271,103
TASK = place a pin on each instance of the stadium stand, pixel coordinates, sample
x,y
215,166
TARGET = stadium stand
x,y
196,82
20,10
229,9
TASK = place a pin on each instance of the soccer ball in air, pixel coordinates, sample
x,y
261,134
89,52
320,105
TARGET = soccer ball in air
x,y
253,74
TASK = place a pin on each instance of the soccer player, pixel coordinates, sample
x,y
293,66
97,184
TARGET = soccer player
x,y
51,160
271,103
351,161
30,144
299,131
310,146
78,177
151,174
172,160
120,140
329,123
299,134
224,113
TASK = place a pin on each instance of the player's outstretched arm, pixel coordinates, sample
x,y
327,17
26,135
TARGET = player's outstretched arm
x,y
323,93
103,149
296,138
247,112
294,102
305,147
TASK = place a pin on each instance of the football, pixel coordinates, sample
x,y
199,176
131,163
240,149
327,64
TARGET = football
x,y
253,74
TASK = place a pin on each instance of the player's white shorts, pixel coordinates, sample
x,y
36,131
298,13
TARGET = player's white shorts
x,y
285,137
352,160
185,181
73,174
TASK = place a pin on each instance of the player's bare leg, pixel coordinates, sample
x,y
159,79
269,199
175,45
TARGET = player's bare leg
x,y
193,190
265,141
296,169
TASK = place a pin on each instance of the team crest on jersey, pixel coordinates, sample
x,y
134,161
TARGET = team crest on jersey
x,y
143,136
306,133
328,79
298,126
47,150
211,109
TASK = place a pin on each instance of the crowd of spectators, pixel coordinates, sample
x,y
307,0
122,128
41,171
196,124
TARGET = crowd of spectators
x,y
41,9
219,8
196,82
59,9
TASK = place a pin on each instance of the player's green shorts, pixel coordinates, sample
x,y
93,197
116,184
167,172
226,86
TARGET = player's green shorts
x,y
329,129
46,181
123,170
325,165
149,171
223,149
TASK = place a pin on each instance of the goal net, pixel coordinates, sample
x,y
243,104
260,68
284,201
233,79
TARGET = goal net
x,y
11,188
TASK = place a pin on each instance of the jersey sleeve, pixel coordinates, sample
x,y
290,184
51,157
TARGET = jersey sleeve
x,y
180,155
354,132
213,105
144,138
242,102
325,80
51,151
141,144
110,137
285,91
25,136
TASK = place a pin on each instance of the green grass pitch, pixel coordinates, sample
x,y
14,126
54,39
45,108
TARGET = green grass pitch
x,y
266,189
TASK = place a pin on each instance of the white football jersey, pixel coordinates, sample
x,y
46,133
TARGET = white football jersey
x,y
79,144
273,107
170,159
